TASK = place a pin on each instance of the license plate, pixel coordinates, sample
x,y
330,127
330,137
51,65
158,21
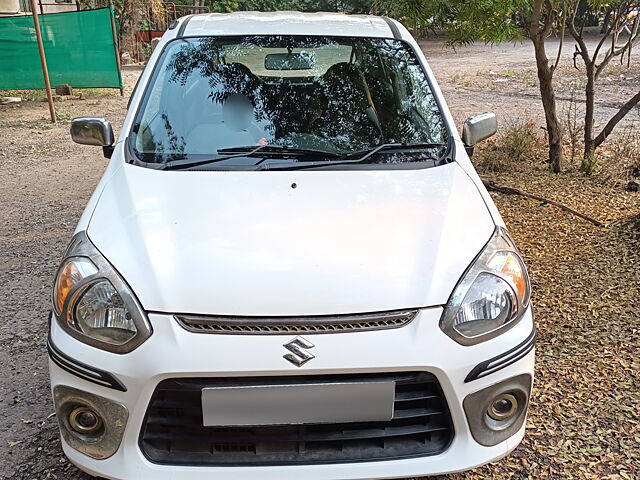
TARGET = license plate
x,y
298,404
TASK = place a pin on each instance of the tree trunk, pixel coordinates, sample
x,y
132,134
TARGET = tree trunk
x,y
589,158
545,77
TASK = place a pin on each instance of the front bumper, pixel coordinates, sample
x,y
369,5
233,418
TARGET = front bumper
x,y
172,352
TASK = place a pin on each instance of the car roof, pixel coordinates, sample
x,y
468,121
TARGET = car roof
x,y
288,23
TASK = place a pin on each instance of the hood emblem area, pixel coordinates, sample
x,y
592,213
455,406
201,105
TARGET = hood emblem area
x,y
299,348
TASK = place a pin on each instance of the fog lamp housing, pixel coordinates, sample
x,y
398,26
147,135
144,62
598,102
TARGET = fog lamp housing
x,y
503,407
498,412
90,424
85,421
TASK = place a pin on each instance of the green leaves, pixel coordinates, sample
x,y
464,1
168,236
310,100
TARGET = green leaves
x,y
226,6
465,21
351,6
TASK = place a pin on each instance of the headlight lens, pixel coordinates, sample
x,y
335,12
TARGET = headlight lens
x,y
73,271
489,304
492,295
101,313
93,304
510,267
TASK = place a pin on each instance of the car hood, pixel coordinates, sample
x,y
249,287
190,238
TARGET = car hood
x,y
290,242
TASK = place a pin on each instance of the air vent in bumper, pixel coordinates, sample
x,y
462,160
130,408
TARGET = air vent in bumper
x,y
173,434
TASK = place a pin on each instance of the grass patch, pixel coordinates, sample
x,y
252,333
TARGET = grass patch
x,y
41,95
26,95
463,80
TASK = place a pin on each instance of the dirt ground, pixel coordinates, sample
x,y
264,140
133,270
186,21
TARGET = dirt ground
x,y
502,79
584,420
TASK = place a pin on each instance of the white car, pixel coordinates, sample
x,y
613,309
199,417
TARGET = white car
x,y
290,268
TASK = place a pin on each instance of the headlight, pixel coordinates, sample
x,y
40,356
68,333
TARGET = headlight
x,y
93,304
492,295
71,273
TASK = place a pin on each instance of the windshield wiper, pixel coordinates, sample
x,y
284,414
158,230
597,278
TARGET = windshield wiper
x,y
362,157
279,148
247,151
179,164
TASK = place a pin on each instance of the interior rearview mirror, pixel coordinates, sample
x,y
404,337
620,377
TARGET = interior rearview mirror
x,y
479,128
289,61
93,131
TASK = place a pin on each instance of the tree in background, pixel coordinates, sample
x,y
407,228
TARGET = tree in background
x,y
621,34
543,19
132,15
466,21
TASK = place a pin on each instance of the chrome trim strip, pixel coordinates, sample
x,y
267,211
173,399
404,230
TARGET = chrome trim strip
x,y
295,325
504,359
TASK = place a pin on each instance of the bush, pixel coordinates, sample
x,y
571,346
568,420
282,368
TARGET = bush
x,y
519,142
619,157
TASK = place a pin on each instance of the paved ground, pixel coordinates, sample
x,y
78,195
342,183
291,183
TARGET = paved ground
x,y
46,180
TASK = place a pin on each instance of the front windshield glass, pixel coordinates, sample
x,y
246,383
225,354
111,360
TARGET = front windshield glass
x,y
337,95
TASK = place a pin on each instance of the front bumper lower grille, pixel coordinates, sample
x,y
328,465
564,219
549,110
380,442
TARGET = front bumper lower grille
x,y
173,431
296,325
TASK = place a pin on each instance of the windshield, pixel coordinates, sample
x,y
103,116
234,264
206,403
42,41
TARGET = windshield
x,y
332,95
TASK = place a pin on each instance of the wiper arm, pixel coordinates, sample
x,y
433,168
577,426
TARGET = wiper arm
x,y
247,151
363,157
278,149
179,164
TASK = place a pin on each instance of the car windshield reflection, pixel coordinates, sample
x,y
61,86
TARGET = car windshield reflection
x,y
336,95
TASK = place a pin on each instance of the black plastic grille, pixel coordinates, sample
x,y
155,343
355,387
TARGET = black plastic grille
x,y
173,431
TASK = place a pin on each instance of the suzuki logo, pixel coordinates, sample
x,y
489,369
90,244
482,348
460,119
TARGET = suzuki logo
x,y
299,354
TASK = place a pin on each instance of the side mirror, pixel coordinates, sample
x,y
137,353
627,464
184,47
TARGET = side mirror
x,y
479,128
93,131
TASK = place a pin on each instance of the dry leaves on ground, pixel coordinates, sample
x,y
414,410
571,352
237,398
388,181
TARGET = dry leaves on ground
x,y
584,420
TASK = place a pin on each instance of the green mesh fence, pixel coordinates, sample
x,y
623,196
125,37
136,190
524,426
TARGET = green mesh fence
x,y
78,46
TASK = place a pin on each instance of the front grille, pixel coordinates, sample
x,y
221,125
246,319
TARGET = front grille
x,y
173,434
295,325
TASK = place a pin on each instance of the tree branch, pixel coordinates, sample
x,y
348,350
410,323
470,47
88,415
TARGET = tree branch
x,y
614,26
582,46
564,27
626,108
549,21
634,34
619,22
491,185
